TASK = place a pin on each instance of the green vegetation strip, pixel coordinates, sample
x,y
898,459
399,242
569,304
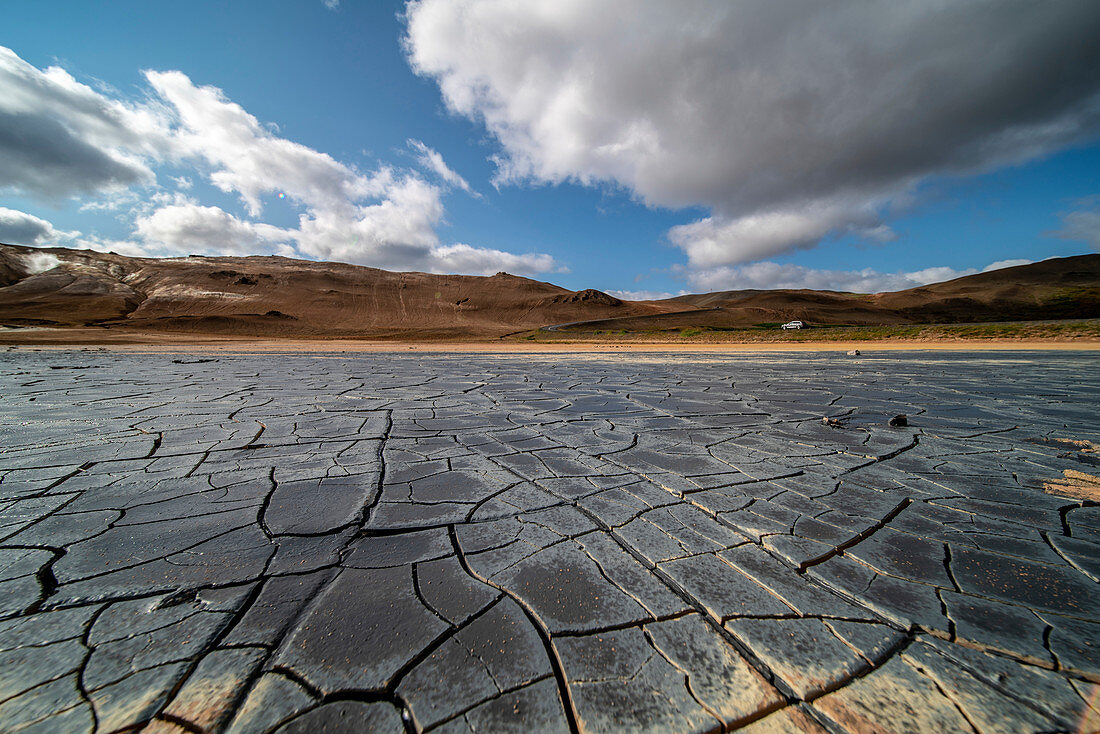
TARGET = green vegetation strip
x,y
770,333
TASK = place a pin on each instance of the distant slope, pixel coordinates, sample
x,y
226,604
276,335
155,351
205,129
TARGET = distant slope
x,y
1059,288
273,296
277,296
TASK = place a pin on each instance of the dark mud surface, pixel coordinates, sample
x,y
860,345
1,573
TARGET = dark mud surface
x,y
564,543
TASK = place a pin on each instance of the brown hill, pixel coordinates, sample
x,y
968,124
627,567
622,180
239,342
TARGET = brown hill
x,y
1059,288
277,296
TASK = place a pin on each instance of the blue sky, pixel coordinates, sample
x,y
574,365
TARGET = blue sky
x,y
678,147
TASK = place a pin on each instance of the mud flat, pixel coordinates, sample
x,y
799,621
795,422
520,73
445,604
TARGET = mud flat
x,y
30,339
411,541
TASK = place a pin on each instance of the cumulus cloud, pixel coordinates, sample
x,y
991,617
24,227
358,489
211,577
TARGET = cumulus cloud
x,y
248,160
460,258
60,138
207,230
385,218
790,121
20,228
768,275
718,241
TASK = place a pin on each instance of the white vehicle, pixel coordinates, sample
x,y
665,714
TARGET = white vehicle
x,y
792,325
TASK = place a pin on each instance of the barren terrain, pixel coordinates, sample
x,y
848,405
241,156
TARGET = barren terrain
x,y
54,295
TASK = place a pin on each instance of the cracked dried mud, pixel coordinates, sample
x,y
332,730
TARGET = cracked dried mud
x,y
489,543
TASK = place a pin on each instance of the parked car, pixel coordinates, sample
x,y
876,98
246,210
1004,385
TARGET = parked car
x,y
792,325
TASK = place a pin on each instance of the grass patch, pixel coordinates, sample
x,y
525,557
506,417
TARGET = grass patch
x,y
1067,330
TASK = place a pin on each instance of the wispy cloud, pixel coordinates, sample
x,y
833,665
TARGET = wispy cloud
x,y
431,160
643,295
1082,225
769,275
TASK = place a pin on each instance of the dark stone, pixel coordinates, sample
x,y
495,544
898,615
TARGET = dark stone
x,y
1077,644
895,694
983,705
794,589
303,554
136,698
903,555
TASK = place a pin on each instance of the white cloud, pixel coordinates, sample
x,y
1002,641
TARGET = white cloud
x,y
385,219
248,160
1081,226
717,241
60,138
120,247
206,230
397,232
769,275
123,200
643,295
433,161
331,4
1001,264
789,121
460,258
20,228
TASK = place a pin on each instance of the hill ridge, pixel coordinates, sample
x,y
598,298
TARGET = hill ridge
x,y
274,296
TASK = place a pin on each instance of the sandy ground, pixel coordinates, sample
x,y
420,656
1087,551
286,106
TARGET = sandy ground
x,y
33,339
